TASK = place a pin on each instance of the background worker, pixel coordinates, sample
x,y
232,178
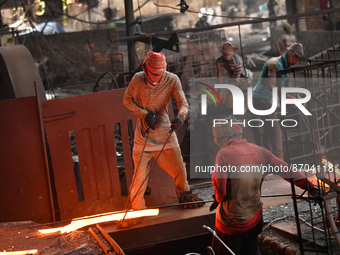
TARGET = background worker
x,y
262,94
239,212
139,31
147,96
233,64
287,38
271,12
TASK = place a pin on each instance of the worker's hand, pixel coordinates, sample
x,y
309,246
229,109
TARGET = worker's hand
x,y
176,123
214,205
151,120
187,197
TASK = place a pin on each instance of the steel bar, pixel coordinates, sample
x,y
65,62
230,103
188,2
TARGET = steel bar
x,y
129,202
181,204
219,239
42,130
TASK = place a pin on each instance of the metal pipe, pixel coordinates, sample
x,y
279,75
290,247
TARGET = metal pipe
x,y
219,239
129,23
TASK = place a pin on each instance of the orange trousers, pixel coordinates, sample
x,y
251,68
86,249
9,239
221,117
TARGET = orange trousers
x,y
170,161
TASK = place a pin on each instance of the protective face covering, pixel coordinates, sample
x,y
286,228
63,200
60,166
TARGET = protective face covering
x,y
154,67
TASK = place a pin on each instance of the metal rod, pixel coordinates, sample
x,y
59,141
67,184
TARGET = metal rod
x,y
42,132
283,195
180,204
219,239
130,201
298,227
244,65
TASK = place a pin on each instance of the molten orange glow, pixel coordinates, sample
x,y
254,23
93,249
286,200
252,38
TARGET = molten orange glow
x,y
327,187
314,179
19,252
94,219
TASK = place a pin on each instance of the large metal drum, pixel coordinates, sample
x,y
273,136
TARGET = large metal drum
x,y
18,73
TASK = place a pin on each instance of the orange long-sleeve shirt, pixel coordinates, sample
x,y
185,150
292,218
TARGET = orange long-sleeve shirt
x,y
141,97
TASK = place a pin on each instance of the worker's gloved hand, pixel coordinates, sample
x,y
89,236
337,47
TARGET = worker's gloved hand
x,y
128,223
214,205
187,197
151,120
176,123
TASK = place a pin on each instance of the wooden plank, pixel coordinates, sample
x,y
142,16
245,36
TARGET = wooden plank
x,y
105,248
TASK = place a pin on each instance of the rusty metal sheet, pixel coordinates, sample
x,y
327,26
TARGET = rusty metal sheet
x,y
24,185
92,118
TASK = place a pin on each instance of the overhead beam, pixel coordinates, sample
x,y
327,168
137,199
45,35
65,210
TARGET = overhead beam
x,y
245,22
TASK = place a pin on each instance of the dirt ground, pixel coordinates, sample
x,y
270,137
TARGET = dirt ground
x,y
24,235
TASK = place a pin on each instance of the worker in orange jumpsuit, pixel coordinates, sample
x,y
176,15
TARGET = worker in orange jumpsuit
x,y
147,96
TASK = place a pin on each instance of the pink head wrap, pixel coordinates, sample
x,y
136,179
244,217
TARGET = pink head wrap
x,y
154,67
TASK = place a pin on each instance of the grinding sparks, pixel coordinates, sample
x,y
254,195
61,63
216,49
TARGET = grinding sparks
x,y
94,219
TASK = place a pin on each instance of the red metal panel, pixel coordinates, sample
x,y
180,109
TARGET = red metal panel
x,y
24,192
92,117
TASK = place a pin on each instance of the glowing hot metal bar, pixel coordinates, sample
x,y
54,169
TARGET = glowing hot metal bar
x,y
90,220
19,252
